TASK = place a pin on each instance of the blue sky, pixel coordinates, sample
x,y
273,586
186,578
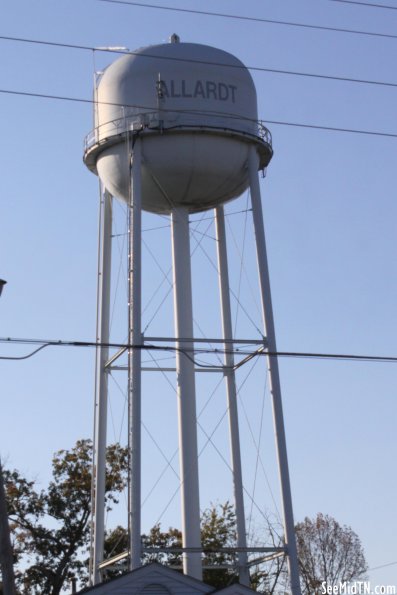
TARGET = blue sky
x,y
330,212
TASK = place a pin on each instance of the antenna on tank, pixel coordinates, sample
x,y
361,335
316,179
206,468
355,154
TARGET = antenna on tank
x,y
174,38
204,150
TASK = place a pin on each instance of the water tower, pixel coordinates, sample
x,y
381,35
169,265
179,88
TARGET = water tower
x,y
177,132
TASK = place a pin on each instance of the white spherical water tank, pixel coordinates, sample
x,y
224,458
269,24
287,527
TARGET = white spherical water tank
x,y
194,108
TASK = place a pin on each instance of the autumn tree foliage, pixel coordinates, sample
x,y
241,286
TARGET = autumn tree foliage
x,y
328,552
50,527
51,534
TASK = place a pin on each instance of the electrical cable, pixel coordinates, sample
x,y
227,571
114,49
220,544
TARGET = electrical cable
x,y
331,128
276,122
255,19
236,351
203,62
377,568
23,357
382,566
369,4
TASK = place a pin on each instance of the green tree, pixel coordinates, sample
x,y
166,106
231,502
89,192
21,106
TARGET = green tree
x,y
218,530
154,546
51,526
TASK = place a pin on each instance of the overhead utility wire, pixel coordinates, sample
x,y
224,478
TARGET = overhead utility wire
x,y
332,128
277,122
256,19
126,346
370,4
382,566
204,62
26,356
150,347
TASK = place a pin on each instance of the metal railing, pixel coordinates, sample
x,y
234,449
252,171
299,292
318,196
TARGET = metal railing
x,y
264,133
172,120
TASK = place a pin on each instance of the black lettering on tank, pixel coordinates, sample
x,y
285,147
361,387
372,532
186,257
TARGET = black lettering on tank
x,y
233,90
199,90
211,89
184,93
223,92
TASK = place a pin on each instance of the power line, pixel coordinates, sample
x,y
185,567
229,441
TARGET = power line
x,y
369,4
151,347
383,566
55,97
57,44
276,122
204,62
256,19
378,567
332,128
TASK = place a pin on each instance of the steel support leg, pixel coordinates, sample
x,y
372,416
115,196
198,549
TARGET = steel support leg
x,y
274,377
101,383
134,355
230,379
186,392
